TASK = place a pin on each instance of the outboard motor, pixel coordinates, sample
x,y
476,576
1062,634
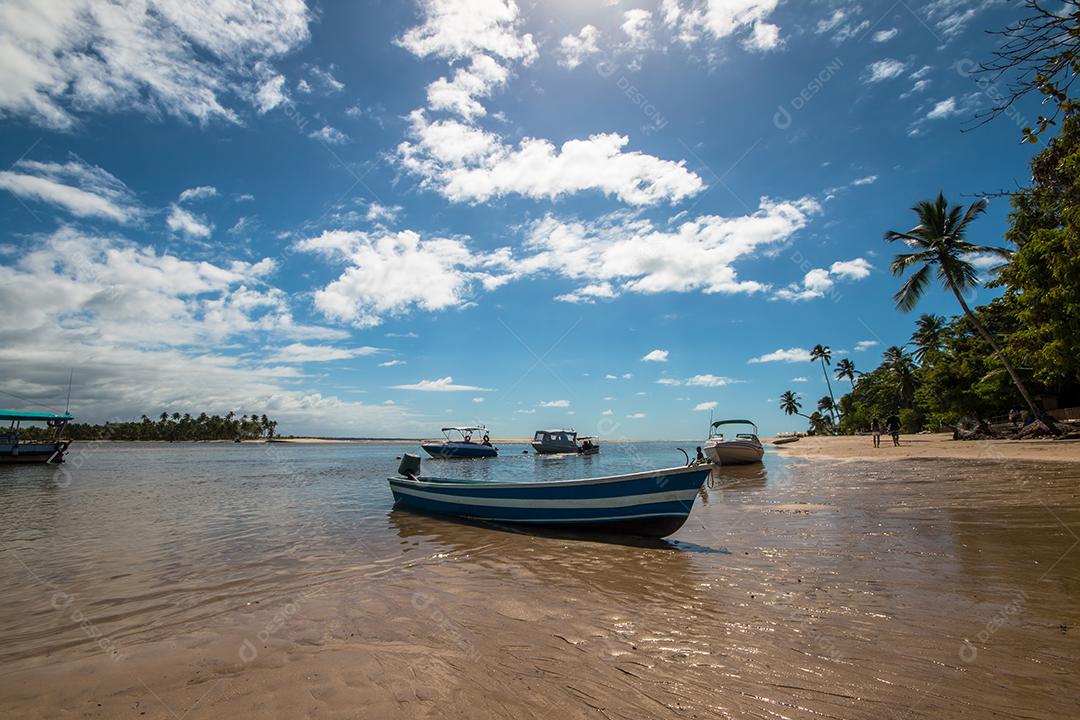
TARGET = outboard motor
x,y
410,466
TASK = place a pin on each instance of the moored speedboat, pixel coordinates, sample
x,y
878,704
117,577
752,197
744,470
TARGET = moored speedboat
x,y
653,503
743,449
560,442
465,447
14,450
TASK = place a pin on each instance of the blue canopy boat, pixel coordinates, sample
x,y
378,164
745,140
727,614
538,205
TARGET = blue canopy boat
x,y
463,448
13,450
653,503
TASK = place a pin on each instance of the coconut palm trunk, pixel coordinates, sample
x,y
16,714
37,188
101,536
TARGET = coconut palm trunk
x,y
981,329
833,412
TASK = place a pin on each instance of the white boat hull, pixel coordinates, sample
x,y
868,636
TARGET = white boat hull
x,y
733,452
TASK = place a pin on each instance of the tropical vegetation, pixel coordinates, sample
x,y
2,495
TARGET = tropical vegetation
x,y
170,428
1018,351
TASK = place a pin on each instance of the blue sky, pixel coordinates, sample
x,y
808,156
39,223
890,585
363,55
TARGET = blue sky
x,y
380,218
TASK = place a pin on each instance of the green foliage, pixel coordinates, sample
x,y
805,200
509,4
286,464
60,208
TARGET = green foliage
x,y
167,428
1043,279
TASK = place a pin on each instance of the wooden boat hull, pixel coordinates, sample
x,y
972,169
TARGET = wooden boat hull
x,y
25,453
734,452
550,448
458,450
649,504
786,440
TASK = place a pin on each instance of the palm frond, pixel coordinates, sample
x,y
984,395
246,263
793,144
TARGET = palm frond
x,y
907,297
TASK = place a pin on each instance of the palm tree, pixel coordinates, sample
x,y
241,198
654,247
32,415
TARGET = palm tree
x,y
939,243
902,369
928,337
845,368
824,354
791,405
825,404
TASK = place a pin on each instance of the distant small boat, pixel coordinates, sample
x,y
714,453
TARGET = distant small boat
x,y
465,447
652,503
14,450
784,440
559,442
743,449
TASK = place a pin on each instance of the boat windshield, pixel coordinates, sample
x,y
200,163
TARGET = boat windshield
x,y
714,432
464,434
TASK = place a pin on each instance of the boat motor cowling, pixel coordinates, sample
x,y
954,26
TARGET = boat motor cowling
x,y
410,466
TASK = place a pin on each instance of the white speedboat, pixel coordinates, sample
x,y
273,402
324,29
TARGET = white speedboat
x,y
743,449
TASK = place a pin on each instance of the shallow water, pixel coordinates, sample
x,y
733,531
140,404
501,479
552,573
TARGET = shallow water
x,y
277,580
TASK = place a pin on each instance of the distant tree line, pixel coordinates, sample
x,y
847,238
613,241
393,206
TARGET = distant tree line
x,y
170,428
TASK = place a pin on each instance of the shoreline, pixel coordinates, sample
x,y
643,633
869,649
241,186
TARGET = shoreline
x,y
933,446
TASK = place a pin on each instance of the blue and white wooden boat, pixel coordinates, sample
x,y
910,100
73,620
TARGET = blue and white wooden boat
x,y
15,450
459,443
653,503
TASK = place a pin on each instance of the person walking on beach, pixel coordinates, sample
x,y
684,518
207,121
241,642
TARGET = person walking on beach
x,y
892,425
875,430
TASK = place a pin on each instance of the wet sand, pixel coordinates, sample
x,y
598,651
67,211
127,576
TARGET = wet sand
x,y
935,445
815,589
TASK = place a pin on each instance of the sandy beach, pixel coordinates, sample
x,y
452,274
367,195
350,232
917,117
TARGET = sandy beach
x,y
936,445
287,586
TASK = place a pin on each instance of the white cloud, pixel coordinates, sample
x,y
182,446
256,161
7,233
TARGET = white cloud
x,y
478,399
573,49
705,380
843,24
623,253
304,353
763,37
791,355
329,135
952,16
459,95
882,70
709,381
152,56
202,192
391,363
467,164
655,356
818,282
831,22
555,403
943,109
377,212
856,269
885,35
81,189
530,411
445,384
636,416
270,94
326,80
693,19
868,180
186,223
608,412
921,72
637,24
704,406
455,29
800,379
864,345
390,273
